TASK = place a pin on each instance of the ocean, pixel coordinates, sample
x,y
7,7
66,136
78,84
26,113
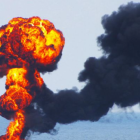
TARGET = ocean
x,y
113,126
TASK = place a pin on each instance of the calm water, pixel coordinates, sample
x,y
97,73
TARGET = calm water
x,y
114,126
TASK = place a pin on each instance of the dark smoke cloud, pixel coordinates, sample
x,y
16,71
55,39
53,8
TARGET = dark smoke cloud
x,y
113,78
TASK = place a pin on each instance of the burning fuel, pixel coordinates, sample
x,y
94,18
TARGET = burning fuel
x,y
27,47
30,46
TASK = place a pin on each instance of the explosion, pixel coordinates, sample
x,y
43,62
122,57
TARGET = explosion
x,y
27,47
30,46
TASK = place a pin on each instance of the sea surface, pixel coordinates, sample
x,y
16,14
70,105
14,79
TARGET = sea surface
x,y
113,126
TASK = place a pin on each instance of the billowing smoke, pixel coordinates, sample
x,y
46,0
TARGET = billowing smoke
x,y
113,78
27,47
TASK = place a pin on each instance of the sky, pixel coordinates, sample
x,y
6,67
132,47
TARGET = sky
x,y
80,22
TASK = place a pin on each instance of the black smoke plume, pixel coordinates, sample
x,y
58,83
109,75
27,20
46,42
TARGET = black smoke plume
x,y
113,78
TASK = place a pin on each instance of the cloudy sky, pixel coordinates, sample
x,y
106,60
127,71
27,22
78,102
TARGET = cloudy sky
x,y
80,22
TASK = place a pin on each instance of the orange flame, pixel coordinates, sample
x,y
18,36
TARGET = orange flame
x,y
26,45
16,76
15,128
34,40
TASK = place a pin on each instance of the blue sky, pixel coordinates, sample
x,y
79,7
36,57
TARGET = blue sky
x,y
80,22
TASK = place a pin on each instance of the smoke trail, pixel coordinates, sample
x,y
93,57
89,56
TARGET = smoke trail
x,y
113,78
